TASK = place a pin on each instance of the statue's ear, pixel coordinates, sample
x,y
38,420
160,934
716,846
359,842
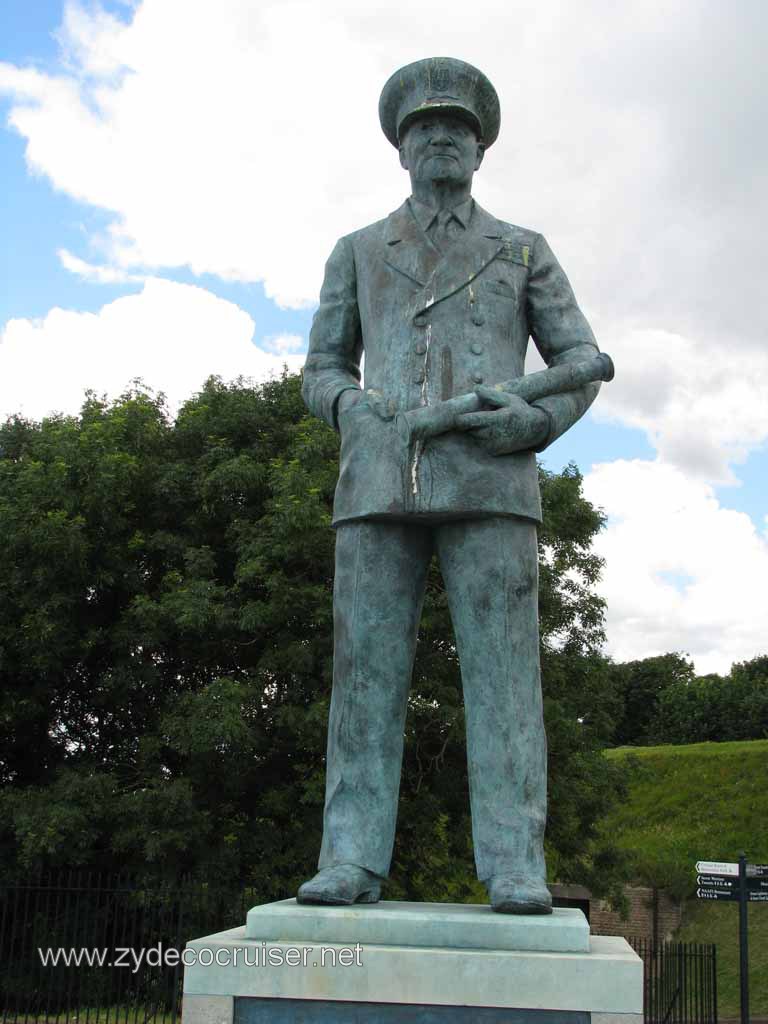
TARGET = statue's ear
x,y
403,159
480,154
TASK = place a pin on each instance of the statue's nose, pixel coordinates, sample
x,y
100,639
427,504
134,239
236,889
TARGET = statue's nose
x,y
441,136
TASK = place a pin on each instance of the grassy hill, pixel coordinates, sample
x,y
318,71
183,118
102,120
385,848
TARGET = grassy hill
x,y
705,801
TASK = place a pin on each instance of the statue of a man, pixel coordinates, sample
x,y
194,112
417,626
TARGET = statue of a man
x,y
442,298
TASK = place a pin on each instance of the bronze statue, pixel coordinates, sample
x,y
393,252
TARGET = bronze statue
x,y
442,297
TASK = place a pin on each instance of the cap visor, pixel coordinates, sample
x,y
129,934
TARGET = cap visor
x,y
441,107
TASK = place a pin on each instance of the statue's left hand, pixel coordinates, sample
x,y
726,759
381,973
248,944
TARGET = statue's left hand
x,y
512,425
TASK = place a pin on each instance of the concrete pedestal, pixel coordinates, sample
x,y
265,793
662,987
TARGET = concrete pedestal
x,y
409,963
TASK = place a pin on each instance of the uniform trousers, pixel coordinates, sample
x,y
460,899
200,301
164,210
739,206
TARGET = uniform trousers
x,y
490,570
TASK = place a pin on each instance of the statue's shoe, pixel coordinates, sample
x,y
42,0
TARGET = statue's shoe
x,y
518,894
341,885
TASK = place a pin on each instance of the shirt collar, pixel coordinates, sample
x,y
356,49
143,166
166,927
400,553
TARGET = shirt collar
x,y
426,216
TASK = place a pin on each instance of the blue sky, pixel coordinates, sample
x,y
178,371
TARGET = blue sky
x,y
39,220
164,217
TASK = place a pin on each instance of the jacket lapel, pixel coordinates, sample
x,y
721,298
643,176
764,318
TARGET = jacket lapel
x,y
439,275
407,248
467,257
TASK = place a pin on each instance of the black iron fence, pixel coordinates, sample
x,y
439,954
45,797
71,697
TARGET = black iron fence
x,y
103,949
679,982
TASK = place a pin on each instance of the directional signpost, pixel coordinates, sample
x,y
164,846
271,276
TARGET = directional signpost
x,y
717,867
723,887
741,883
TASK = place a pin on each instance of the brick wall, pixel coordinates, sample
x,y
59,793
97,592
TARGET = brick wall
x,y
604,921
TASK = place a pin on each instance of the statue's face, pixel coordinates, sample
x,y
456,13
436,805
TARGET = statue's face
x,y
440,147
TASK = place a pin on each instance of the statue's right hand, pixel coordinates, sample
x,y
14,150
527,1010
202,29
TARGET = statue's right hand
x,y
384,408
348,399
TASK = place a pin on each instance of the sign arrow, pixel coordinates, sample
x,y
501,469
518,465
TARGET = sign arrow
x,y
717,867
718,894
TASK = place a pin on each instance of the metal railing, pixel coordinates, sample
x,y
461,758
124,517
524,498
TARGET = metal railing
x,y
91,928
679,981
107,921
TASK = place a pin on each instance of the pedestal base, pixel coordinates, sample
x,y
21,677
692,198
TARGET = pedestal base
x,y
272,975
394,923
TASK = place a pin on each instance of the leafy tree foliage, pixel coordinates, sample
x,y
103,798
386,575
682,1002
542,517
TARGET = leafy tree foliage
x,y
715,708
641,685
166,653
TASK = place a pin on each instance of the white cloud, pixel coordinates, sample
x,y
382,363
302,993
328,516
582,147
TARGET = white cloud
x,y
240,139
282,343
94,272
209,148
681,572
700,407
91,40
171,335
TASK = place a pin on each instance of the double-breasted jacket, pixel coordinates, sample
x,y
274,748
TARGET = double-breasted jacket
x,y
433,326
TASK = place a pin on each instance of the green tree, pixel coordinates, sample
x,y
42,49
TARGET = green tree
x,y
715,708
749,680
690,711
166,653
642,685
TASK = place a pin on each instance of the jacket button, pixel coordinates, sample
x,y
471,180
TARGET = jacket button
x,y
420,320
478,319
477,348
418,378
477,378
419,348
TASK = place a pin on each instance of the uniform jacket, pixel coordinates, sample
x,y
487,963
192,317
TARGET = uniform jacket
x,y
432,326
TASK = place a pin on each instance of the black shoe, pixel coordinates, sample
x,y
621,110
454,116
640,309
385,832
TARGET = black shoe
x,y
341,885
517,894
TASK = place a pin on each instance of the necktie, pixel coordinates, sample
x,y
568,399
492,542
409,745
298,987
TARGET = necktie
x,y
440,234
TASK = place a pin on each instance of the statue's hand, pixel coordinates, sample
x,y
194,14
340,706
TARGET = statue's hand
x,y
512,425
383,407
348,400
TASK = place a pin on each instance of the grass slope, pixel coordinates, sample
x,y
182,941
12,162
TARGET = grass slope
x,y
705,801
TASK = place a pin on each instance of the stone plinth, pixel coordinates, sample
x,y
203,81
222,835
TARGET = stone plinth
x,y
442,925
323,965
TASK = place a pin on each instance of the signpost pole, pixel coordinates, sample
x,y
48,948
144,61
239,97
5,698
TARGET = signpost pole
x,y
743,955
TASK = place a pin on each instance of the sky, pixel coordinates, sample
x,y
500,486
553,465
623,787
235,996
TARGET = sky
x,y
173,176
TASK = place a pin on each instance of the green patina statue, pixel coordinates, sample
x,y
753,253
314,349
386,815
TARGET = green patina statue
x,y
442,298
